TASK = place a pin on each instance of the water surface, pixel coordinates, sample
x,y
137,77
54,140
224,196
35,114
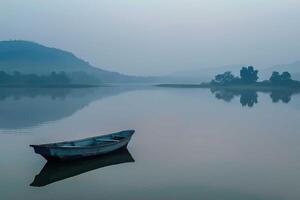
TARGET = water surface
x,y
189,144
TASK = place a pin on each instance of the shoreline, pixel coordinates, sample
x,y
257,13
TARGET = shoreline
x,y
50,86
254,87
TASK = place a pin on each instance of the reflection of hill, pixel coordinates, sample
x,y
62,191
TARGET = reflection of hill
x,y
21,107
53,172
249,97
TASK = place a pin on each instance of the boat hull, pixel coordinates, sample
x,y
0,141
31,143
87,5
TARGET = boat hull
x,y
61,153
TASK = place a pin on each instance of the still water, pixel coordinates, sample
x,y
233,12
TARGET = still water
x,y
189,144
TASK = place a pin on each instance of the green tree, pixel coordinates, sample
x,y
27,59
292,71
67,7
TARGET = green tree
x,y
225,78
249,74
283,78
286,76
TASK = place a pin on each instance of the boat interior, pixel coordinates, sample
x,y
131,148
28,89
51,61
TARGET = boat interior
x,y
89,142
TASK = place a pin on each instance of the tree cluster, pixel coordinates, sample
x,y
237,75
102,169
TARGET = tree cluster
x,y
225,78
284,78
248,75
18,78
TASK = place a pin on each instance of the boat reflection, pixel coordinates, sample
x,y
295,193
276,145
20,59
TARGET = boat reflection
x,y
57,171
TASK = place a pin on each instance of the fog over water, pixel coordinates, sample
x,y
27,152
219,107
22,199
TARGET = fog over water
x,y
160,36
189,144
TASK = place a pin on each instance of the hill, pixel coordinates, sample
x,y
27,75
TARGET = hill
x,y
293,68
201,75
207,74
32,58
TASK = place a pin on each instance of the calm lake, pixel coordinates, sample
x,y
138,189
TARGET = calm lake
x,y
189,144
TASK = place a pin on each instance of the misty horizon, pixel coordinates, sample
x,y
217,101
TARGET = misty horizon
x,y
160,37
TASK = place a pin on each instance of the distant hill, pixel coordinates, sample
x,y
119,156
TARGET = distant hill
x,y
296,76
29,57
201,75
207,74
293,68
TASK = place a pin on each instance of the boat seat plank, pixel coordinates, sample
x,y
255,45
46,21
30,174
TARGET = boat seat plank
x,y
106,140
69,146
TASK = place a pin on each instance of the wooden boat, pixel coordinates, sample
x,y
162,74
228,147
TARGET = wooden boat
x,y
88,147
58,171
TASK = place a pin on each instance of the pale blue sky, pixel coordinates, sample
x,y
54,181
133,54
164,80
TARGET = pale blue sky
x,y
160,36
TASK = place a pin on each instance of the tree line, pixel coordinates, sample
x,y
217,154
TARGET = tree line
x,y
249,75
18,78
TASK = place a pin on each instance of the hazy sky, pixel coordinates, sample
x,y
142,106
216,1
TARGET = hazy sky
x,y
160,36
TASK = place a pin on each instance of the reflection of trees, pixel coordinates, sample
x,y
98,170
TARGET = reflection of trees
x,y
19,93
224,95
250,97
280,95
247,97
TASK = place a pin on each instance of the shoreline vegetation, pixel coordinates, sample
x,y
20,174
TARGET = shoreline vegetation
x,y
247,81
256,87
49,86
52,80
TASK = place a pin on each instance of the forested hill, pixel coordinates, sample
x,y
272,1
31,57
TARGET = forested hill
x,y
32,58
